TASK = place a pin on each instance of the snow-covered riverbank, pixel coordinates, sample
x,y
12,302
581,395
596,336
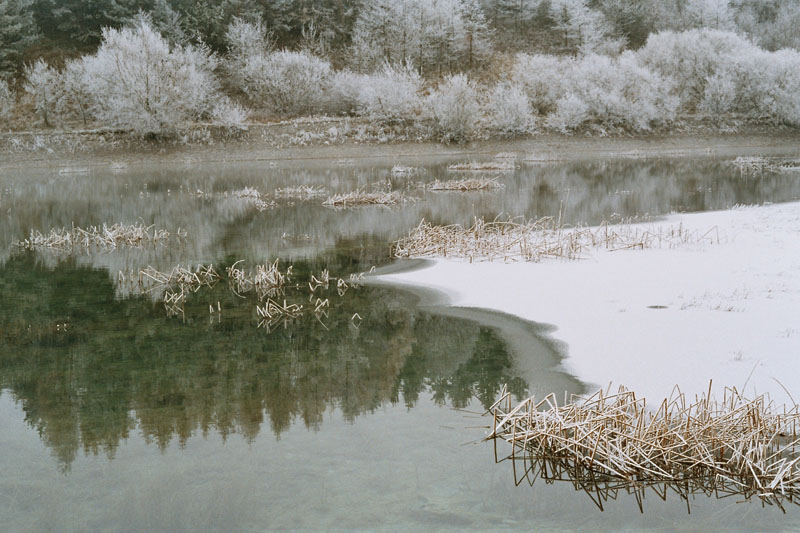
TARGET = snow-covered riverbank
x,y
726,311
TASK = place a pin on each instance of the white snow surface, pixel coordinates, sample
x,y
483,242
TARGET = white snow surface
x,y
732,307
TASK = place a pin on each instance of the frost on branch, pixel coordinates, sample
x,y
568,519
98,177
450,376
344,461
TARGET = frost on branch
x,y
509,110
138,82
41,83
454,108
6,99
391,94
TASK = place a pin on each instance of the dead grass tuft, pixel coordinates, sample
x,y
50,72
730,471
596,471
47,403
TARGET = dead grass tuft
x,y
362,198
535,240
97,238
300,193
501,165
465,185
611,442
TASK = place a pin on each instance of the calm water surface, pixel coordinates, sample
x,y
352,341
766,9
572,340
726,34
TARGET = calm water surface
x,y
115,417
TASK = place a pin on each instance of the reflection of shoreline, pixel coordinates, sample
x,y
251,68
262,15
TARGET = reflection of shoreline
x,y
563,147
121,367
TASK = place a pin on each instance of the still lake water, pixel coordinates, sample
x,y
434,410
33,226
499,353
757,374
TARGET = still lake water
x,y
116,417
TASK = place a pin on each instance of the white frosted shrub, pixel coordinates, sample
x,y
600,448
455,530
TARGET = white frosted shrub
x,y
75,87
246,39
454,108
782,96
6,99
543,78
759,84
138,82
42,84
342,95
572,111
289,83
616,92
229,115
509,110
391,94
687,60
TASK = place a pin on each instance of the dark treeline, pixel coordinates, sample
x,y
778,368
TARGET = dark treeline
x,y
30,29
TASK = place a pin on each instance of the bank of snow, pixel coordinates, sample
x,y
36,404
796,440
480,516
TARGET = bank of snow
x,y
652,319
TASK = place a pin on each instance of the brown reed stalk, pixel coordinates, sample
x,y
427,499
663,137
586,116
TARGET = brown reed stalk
x,y
464,185
512,240
362,198
97,238
611,442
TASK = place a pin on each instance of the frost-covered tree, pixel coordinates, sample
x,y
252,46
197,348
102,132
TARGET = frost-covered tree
x,y
454,108
137,81
391,94
75,90
584,30
435,35
612,92
42,84
713,14
17,31
7,100
509,109
635,20
759,84
770,23
687,60
543,78
287,82
166,21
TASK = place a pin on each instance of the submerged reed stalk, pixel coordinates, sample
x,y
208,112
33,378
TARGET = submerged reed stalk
x,y
98,238
534,240
611,442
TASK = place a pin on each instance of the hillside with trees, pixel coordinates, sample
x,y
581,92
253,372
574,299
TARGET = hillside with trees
x,y
448,70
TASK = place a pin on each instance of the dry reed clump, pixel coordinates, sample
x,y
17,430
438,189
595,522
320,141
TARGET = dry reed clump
x,y
175,285
465,185
267,280
498,165
534,240
751,166
100,238
362,198
258,200
300,192
612,442
399,170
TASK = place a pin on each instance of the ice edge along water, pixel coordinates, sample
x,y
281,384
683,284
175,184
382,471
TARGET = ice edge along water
x,y
727,311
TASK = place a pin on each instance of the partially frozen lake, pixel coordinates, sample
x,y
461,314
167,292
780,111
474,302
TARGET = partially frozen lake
x,y
114,416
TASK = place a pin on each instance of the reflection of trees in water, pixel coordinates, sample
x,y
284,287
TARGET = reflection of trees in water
x,y
121,366
584,191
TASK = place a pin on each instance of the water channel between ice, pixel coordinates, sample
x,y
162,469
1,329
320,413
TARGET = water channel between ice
x,y
115,416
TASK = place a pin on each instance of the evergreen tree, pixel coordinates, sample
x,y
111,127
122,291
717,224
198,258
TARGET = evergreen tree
x,y
17,31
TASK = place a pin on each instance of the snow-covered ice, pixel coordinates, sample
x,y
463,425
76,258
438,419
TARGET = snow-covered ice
x,y
726,311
